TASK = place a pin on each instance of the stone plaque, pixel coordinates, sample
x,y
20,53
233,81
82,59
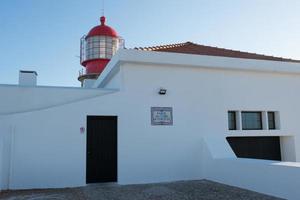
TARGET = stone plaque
x,y
161,116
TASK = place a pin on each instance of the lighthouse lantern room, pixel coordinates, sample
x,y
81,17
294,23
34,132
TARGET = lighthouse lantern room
x,y
96,50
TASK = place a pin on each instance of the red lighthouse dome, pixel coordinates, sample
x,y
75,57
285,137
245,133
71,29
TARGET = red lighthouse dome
x,y
97,48
102,30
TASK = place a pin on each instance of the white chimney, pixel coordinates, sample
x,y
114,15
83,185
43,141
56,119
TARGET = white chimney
x,y
27,78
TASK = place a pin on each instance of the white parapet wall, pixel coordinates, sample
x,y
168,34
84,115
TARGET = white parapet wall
x,y
281,179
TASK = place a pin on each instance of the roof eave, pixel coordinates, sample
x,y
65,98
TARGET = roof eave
x,y
193,60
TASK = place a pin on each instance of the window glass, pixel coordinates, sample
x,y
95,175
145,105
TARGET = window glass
x,y
271,120
231,120
102,43
102,55
99,47
109,40
251,121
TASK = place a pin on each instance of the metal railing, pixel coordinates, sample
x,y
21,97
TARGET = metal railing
x,y
82,72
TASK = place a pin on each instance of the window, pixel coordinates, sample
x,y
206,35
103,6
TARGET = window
x,y
231,120
271,120
251,121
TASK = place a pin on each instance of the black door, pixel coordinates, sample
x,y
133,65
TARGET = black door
x,y
256,147
101,149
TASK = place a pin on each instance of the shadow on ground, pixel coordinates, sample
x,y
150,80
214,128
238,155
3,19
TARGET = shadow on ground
x,y
181,190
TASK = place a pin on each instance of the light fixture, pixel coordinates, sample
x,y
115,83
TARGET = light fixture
x,y
162,91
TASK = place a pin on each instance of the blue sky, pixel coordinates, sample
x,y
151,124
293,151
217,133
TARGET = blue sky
x,y
43,35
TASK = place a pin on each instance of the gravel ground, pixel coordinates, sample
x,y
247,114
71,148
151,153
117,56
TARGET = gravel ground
x,y
181,190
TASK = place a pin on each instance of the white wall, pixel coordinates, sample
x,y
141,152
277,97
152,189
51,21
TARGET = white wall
x,y
18,99
5,152
206,95
115,81
275,178
288,150
49,150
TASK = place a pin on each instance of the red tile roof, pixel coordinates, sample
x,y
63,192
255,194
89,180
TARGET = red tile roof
x,y
192,48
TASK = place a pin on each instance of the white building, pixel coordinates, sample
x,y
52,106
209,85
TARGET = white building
x,y
167,113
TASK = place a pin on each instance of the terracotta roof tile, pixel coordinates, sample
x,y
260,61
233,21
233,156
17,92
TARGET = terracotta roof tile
x,y
192,48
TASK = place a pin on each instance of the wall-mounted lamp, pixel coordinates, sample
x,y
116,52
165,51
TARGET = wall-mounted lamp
x,y
162,91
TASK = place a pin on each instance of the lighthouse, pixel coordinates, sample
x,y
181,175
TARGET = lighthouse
x,y
96,50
